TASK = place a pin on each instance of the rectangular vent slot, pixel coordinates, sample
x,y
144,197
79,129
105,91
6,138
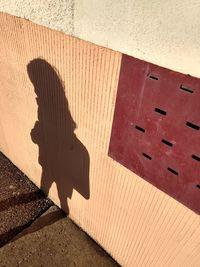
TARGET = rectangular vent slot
x,y
196,157
192,125
184,88
139,128
162,112
146,156
153,77
198,186
173,171
167,142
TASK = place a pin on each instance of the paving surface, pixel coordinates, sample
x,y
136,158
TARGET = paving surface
x,y
39,233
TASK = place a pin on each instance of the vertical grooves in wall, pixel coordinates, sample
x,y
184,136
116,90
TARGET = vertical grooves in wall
x,y
93,124
184,229
143,220
96,124
144,231
113,195
149,239
103,82
136,223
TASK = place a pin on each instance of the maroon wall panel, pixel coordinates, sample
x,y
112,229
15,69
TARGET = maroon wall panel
x,y
156,128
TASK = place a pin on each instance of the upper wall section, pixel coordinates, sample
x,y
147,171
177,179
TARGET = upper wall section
x,y
162,32
55,14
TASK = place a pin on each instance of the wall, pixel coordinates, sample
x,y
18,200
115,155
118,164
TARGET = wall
x,y
57,15
135,222
162,32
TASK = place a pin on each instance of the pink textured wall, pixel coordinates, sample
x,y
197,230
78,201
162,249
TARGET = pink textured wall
x,y
135,222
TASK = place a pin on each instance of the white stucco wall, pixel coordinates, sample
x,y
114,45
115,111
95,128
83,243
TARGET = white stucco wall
x,y
57,14
163,32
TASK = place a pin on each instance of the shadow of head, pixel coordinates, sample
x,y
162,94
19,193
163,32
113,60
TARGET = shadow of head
x,y
64,159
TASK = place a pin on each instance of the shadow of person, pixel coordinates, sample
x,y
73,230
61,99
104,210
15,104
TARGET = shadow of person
x,y
63,158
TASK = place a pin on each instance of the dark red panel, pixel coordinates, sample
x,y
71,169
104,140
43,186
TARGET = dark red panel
x,y
156,128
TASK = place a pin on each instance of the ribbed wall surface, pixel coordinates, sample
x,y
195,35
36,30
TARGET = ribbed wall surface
x,y
136,223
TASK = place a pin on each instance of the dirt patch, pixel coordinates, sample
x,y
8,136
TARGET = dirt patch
x,y
21,202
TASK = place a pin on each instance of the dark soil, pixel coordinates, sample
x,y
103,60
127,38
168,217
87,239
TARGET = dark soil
x,y
21,202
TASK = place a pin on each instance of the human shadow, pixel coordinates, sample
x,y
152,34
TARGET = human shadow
x,y
63,158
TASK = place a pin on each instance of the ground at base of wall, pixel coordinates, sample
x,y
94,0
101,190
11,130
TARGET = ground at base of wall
x,y
31,239
53,240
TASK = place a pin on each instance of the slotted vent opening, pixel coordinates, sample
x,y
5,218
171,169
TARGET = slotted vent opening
x,y
197,158
172,171
153,77
162,112
140,128
164,141
186,89
146,156
192,125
